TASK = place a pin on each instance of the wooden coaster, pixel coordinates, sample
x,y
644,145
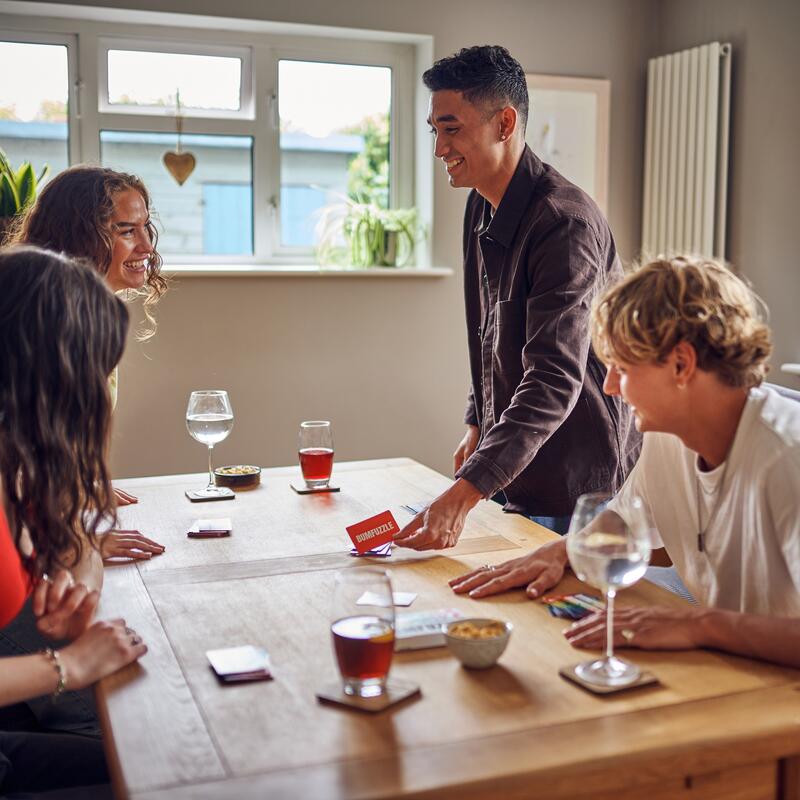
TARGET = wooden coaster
x,y
644,679
396,692
303,489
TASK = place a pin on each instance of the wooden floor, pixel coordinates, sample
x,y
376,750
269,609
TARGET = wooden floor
x,y
717,727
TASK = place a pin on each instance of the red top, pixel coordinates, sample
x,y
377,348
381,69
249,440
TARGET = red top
x,y
15,582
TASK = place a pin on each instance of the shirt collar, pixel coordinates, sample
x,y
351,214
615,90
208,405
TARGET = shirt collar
x,y
502,227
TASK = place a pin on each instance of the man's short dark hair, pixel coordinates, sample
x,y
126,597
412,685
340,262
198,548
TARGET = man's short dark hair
x,y
485,75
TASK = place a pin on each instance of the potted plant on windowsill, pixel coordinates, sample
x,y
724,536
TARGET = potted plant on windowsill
x,y
17,190
366,235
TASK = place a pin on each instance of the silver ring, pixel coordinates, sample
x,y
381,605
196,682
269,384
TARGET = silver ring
x,y
136,639
628,634
130,631
46,578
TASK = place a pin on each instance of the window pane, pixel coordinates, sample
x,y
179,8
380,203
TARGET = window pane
x,y
153,79
33,106
212,213
334,134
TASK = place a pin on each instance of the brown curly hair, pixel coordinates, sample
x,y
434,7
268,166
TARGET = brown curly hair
x,y
62,331
684,299
72,215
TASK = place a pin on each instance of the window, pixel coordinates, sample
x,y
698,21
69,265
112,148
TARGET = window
x,y
185,223
280,124
34,112
151,78
334,141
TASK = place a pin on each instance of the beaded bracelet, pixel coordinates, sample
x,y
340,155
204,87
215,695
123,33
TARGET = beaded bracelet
x,y
54,658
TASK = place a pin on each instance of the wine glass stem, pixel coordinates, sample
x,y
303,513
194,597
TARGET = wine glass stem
x,y
610,595
210,470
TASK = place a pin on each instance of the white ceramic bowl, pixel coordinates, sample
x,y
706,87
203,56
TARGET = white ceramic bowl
x,y
478,653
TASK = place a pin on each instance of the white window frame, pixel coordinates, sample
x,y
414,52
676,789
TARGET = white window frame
x,y
246,108
266,43
73,109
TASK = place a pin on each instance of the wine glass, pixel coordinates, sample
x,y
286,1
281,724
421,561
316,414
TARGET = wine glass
x,y
315,450
362,625
610,553
209,419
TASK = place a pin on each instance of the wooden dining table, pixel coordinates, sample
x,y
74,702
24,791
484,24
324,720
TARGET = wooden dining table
x,y
715,726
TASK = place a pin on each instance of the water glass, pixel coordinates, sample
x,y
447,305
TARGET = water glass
x,y
610,553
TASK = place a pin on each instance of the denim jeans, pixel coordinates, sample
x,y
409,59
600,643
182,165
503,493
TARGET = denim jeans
x,y
75,712
558,525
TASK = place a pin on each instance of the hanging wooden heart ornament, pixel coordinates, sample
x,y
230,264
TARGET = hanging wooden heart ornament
x,y
180,165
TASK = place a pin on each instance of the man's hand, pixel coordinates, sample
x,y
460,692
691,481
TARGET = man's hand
x,y
466,447
649,628
62,607
441,523
539,571
128,544
124,498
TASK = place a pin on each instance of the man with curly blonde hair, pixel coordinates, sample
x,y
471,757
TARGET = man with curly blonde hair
x,y
719,472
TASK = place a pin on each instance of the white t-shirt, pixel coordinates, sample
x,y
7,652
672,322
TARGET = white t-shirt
x,y
751,556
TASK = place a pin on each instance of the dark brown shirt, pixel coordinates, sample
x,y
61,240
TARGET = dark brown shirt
x,y
548,432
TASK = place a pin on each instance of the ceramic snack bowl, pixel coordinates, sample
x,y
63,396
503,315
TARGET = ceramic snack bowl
x,y
238,476
477,642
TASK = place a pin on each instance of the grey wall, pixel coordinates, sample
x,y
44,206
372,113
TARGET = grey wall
x,y
764,234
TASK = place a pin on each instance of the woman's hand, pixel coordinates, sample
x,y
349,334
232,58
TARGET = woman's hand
x,y
102,649
648,628
63,607
125,499
128,544
539,571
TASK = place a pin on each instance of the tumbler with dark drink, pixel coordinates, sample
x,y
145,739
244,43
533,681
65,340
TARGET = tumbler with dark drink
x,y
363,630
316,453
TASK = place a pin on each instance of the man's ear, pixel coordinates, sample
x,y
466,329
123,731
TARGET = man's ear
x,y
508,122
684,363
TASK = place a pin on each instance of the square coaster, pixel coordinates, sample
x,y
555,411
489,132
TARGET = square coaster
x,y
644,679
301,488
396,692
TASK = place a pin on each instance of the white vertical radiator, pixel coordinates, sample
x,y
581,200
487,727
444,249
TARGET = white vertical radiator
x,y
686,152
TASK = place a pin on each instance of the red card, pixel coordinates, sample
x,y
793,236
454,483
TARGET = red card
x,y
373,532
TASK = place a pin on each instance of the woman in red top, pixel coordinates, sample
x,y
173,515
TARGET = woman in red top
x,y
61,333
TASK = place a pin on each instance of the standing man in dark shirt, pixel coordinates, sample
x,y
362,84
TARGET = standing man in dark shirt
x,y
537,251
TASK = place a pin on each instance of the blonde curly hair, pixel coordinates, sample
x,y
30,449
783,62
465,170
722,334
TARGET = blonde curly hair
x,y
684,299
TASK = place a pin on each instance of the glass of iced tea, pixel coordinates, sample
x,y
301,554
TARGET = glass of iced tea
x,y
316,453
362,625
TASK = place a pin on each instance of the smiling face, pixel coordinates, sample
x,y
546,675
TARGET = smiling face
x,y
468,140
652,392
131,245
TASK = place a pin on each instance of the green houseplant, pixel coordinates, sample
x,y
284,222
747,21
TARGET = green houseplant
x,y
372,236
17,190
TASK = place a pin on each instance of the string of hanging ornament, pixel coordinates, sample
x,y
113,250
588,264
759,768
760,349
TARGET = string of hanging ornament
x,y
179,164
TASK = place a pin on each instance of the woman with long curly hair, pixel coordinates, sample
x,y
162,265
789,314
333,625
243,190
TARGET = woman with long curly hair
x,y
103,216
61,334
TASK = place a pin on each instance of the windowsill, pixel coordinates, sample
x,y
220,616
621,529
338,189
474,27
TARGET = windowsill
x,y
300,271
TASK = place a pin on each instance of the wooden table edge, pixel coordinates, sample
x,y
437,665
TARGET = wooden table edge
x,y
494,764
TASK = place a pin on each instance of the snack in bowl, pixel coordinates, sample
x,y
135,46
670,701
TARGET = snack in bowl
x,y
477,643
238,476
